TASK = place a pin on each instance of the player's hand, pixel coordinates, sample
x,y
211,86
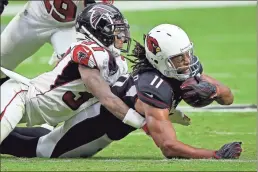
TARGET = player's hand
x,y
202,89
229,151
3,3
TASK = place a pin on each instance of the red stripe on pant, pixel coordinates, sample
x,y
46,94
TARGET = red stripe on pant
x,y
2,114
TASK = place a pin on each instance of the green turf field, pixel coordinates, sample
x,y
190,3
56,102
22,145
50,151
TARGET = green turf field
x,y
225,41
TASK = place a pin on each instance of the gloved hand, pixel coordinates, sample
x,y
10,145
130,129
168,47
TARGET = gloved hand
x,y
229,151
198,92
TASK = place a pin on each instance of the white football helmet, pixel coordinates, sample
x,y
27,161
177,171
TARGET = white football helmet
x,y
166,41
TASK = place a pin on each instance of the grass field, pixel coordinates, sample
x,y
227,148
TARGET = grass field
x,y
225,41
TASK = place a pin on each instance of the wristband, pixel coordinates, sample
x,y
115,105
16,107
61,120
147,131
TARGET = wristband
x,y
134,119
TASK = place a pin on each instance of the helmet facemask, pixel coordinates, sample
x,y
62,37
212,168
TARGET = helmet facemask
x,y
119,35
176,68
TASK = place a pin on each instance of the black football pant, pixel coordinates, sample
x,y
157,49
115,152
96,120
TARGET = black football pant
x,y
22,141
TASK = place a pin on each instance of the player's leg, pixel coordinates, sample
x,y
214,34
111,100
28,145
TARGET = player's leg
x,y
19,145
19,40
80,136
13,95
2,80
32,131
23,141
61,41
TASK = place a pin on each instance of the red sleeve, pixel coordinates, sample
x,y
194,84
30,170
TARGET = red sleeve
x,y
81,54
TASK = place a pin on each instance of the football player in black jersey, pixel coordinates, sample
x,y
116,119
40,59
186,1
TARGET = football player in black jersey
x,y
153,89
169,50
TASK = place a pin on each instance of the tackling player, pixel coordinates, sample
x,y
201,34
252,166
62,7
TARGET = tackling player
x,y
154,93
79,80
40,22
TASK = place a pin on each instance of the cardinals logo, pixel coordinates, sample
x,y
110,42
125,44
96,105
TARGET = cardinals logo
x,y
98,14
153,45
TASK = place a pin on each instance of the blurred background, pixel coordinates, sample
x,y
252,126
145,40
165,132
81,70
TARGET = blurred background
x,y
224,37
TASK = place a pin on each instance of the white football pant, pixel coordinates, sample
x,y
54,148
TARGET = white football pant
x,y
25,34
13,97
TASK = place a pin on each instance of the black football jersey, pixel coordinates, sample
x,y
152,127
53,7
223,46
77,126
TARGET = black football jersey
x,y
150,87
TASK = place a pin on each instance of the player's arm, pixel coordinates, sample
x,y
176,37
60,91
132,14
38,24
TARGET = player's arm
x,y
101,90
224,94
164,135
89,70
154,101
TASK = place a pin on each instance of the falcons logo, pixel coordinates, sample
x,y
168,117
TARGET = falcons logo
x,y
99,13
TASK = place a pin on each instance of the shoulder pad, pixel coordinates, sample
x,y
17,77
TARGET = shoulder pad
x,y
89,54
153,90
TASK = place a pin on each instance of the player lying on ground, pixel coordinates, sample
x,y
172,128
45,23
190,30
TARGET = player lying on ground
x,y
48,21
79,80
149,92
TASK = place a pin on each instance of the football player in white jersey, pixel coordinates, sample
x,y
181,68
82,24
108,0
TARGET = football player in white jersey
x,y
40,22
80,79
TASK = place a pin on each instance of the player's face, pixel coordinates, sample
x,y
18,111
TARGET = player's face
x,y
182,62
121,38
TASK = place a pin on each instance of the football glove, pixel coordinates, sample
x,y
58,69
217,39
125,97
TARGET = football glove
x,y
229,151
198,92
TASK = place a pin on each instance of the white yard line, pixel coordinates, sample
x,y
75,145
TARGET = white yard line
x,y
152,5
217,110
136,159
210,133
172,160
232,133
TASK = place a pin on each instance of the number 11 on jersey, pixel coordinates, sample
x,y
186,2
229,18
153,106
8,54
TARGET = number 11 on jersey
x,y
154,81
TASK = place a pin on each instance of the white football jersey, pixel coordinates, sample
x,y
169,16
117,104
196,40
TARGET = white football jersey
x,y
56,12
57,95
